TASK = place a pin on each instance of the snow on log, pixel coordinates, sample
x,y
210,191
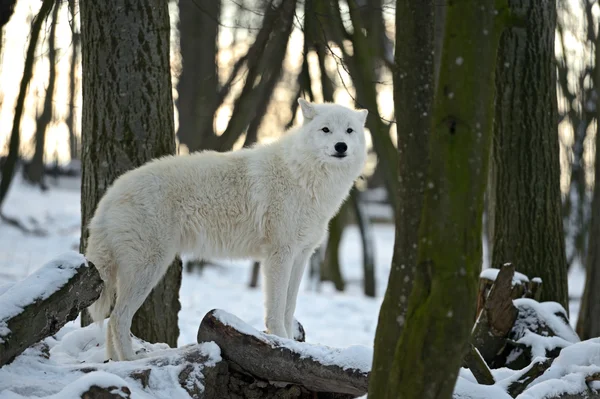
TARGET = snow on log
x,y
497,316
279,360
39,305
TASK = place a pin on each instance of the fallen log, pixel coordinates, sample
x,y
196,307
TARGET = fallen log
x,y
497,316
283,361
39,305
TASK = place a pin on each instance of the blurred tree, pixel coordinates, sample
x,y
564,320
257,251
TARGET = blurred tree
x,y
8,169
198,84
34,170
413,97
588,323
362,66
527,226
71,121
127,120
441,307
575,85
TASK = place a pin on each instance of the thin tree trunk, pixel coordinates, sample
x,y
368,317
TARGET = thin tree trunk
x,y
34,171
414,73
331,269
10,164
528,230
127,120
588,323
441,307
199,80
368,247
71,121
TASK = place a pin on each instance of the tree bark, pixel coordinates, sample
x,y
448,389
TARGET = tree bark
x,y
127,120
441,307
528,230
76,287
10,164
199,80
588,323
414,73
34,171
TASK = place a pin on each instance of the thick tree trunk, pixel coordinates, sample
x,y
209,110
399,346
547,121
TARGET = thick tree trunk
x,y
588,323
9,167
34,171
414,73
199,80
441,307
528,230
128,120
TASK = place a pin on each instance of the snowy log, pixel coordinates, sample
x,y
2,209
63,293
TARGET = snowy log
x,y
536,369
497,316
474,362
278,360
39,305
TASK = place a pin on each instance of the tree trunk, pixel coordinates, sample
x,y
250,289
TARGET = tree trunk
x,y
414,73
127,120
34,171
366,238
528,230
10,164
441,306
588,323
330,268
199,80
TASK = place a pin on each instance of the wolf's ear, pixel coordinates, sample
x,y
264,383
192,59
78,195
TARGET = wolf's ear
x,y
362,115
308,110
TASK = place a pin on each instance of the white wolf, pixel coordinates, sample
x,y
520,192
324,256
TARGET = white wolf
x,y
270,203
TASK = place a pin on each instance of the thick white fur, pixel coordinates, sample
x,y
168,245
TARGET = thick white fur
x,y
270,203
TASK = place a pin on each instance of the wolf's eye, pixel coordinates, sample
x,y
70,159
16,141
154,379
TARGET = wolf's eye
x,y
349,130
326,130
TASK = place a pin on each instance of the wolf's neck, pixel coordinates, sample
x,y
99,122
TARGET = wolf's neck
x,y
324,182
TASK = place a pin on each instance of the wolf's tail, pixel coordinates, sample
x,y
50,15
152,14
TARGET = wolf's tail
x,y
99,255
100,309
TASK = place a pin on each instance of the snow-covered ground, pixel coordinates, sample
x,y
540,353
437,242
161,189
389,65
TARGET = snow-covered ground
x,y
329,318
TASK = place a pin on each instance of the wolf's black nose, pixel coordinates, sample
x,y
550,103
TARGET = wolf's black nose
x,y
340,147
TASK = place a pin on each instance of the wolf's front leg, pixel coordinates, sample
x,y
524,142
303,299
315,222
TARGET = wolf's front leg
x,y
300,262
276,269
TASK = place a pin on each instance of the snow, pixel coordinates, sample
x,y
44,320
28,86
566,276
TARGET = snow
x,y
38,286
357,357
548,312
518,278
74,350
341,324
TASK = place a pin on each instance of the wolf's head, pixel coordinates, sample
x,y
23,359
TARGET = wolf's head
x,y
334,134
